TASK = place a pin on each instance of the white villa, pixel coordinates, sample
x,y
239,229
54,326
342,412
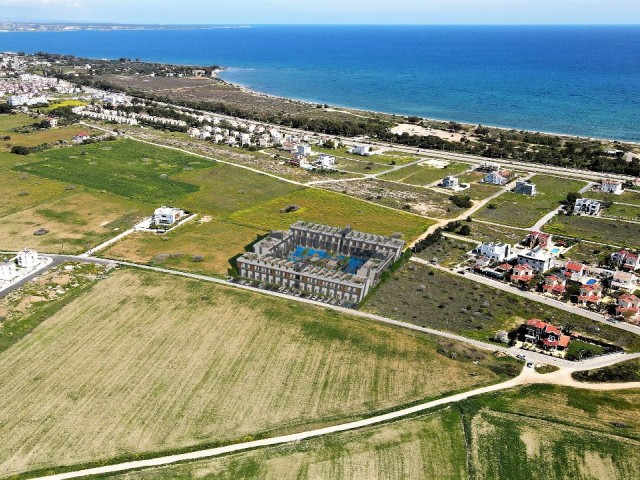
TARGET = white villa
x,y
326,161
7,271
167,215
537,258
496,252
613,187
364,150
586,206
27,258
450,182
303,150
495,178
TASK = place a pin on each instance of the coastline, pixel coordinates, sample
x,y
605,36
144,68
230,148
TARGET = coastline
x,y
249,90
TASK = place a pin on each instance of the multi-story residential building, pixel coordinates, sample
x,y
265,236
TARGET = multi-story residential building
x,y
574,271
522,274
537,258
167,215
628,306
613,187
525,187
7,271
590,294
451,182
624,281
554,285
27,258
323,260
545,335
496,252
495,178
586,206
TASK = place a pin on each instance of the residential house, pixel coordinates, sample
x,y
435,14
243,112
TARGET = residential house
x,y
613,187
631,262
628,306
590,294
624,281
7,271
303,150
525,187
554,285
586,206
481,262
537,258
545,335
326,162
363,150
81,137
574,271
539,239
167,215
451,182
496,252
522,274
495,178
27,258
618,258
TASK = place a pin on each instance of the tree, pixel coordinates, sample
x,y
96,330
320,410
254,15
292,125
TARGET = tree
x,y
462,201
20,150
5,108
465,230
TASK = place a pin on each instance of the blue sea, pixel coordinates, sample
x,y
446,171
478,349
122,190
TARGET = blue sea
x,y
582,80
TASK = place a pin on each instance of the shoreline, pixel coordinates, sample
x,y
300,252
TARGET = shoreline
x,y
244,88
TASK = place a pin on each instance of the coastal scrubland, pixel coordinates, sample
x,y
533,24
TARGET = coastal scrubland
x,y
145,362
429,297
524,211
507,435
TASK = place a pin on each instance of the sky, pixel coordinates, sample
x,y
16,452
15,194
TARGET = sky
x,y
326,11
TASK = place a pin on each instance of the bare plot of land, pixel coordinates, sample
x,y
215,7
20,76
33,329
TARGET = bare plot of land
x,y
327,207
148,362
484,232
401,197
71,224
524,211
610,232
431,446
203,246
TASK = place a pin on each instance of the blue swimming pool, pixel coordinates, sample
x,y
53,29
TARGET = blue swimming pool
x,y
300,253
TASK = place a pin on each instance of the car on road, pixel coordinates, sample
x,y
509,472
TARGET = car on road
x,y
520,356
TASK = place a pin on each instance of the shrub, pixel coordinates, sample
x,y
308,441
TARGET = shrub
x,y
462,201
20,150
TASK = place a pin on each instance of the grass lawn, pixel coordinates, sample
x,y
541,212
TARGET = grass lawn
x,y
429,447
217,241
146,362
364,166
424,174
9,122
39,137
624,212
334,209
224,189
610,232
523,211
578,346
628,196
428,297
126,168
75,222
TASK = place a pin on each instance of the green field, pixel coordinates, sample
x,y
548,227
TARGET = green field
x,y
523,211
610,232
429,447
628,371
424,174
428,297
449,252
332,208
149,363
484,232
216,241
386,158
507,436
628,196
624,212
126,168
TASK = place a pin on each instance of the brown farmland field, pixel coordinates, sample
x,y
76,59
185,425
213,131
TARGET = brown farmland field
x,y
146,362
78,221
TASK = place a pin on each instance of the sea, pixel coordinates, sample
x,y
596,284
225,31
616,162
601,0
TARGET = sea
x,y
577,80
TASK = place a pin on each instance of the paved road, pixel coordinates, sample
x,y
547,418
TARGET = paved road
x,y
28,278
547,218
537,298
